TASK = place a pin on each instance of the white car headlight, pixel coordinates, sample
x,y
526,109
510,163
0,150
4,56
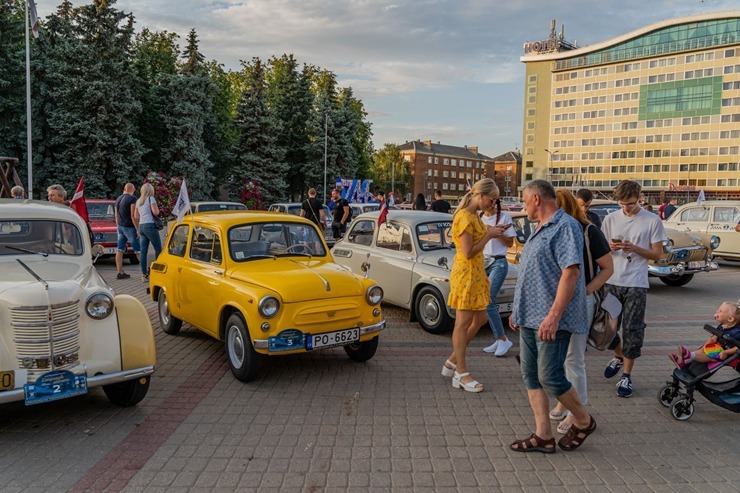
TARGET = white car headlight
x,y
667,246
374,295
714,242
99,306
269,306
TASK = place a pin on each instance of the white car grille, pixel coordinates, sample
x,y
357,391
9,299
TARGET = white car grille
x,y
36,345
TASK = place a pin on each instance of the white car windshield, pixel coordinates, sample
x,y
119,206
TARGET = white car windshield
x,y
41,237
275,239
434,236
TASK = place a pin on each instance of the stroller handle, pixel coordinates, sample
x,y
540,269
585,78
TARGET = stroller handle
x,y
721,335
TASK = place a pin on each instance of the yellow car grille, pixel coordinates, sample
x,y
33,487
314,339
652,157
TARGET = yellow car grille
x,y
38,338
320,314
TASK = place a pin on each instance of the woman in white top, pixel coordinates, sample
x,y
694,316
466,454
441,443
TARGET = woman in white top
x,y
497,248
146,209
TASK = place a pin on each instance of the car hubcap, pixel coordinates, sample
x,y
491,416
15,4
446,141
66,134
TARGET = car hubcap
x,y
236,347
164,311
430,309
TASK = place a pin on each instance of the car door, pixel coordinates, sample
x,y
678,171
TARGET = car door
x,y
723,221
177,242
392,262
201,279
693,218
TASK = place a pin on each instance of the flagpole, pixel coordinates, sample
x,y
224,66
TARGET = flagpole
x,y
29,146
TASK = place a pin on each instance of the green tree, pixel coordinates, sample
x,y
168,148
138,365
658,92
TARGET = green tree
x,y
255,155
389,168
88,108
221,134
193,64
321,149
13,82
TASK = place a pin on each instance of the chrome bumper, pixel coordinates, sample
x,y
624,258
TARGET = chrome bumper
x,y
680,269
92,382
368,329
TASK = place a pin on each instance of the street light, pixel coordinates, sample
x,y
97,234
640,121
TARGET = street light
x,y
549,170
393,176
326,133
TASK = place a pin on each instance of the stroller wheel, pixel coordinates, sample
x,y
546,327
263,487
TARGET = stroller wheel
x,y
682,409
666,395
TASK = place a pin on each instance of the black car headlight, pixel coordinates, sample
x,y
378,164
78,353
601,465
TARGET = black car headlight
x,y
269,306
374,295
714,242
99,306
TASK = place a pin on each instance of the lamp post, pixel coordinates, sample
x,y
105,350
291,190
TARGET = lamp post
x,y
549,169
326,133
393,176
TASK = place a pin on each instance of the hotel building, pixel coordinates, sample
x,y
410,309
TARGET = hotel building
x,y
659,105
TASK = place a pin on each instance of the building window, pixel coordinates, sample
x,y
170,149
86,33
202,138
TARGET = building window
x,y
532,79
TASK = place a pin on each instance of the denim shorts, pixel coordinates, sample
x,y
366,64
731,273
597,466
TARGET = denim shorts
x,y
127,234
543,362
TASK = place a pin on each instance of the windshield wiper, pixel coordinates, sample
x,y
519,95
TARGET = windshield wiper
x,y
25,250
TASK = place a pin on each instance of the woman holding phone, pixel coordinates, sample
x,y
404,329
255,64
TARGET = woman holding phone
x,y
497,248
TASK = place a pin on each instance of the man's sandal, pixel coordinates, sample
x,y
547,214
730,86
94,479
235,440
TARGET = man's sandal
x,y
576,436
448,369
534,444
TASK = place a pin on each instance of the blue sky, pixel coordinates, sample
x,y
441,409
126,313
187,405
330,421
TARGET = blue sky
x,y
443,70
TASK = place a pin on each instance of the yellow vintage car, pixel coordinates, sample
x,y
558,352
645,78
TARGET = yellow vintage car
x,y
62,328
264,284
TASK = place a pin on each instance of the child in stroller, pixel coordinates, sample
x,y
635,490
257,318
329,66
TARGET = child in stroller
x,y
713,351
694,368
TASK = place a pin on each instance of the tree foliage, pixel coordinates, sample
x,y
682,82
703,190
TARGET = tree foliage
x,y
113,105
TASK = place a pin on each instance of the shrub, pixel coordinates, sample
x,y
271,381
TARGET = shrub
x,y
166,191
251,196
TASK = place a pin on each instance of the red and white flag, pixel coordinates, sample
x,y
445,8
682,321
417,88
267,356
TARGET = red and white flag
x,y
34,18
383,213
78,201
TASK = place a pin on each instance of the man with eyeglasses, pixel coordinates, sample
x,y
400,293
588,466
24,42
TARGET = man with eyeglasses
x,y
635,237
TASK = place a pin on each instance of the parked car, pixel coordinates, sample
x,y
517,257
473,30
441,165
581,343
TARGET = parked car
x,y
358,209
105,232
295,209
63,330
196,207
411,256
683,254
265,284
713,217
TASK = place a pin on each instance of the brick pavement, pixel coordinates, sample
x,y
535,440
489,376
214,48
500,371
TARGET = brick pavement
x,y
319,422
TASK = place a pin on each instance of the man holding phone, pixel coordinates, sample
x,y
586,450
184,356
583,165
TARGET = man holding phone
x,y
635,237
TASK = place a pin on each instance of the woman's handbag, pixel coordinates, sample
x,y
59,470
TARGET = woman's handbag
x,y
158,223
604,326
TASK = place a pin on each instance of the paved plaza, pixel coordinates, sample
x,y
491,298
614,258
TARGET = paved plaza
x,y
319,422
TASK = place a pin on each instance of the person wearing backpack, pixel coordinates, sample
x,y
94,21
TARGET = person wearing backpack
x,y
313,210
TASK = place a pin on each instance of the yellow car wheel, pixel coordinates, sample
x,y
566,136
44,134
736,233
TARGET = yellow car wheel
x,y
244,361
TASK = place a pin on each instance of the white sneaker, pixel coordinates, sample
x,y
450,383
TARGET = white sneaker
x,y
503,347
492,347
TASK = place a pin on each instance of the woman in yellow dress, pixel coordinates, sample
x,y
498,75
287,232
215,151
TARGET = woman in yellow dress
x,y
469,288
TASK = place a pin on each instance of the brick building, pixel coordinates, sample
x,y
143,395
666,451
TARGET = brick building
x,y
506,173
444,167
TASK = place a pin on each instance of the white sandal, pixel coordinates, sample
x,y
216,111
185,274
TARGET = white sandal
x,y
448,369
470,386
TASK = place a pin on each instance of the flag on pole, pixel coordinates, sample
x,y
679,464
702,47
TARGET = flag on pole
x,y
700,198
34,18
383,213
182,206
391,200
78,201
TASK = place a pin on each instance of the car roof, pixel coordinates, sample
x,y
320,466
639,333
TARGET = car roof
x,y
38,209
233,218
728,203
410,216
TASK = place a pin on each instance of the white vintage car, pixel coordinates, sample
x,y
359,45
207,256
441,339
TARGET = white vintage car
x,y
62,329
410,256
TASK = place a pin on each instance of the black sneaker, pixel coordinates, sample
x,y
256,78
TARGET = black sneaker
x,y
122,275
613,367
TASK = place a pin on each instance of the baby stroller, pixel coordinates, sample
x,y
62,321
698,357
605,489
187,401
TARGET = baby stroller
x,y
679,393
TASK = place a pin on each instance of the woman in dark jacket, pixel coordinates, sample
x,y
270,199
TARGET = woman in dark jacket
x,y
421,203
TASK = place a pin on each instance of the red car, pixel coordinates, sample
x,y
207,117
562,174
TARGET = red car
x,y
105,232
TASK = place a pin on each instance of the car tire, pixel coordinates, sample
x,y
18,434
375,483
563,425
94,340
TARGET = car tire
x,y
133,259
170,324
244,361
129,393
362,351
431,311
676,281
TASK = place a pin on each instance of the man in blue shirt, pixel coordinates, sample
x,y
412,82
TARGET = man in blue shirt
x,y
549,306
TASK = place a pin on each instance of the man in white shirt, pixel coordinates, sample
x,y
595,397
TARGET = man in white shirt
x,y
635,237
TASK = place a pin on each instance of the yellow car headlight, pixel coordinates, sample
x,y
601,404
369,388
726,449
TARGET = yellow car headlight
x,y
374,295
99,306
269,306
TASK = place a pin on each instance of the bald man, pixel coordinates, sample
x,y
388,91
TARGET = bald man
x,y
128,229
